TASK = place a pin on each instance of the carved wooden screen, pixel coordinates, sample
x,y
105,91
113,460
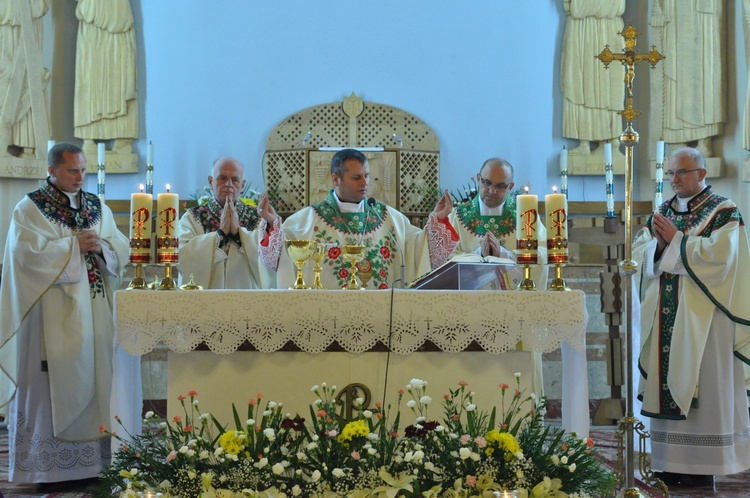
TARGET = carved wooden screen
x,y
405,174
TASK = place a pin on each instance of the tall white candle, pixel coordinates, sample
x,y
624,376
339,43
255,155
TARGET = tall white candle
x,y
140,227
660,152
100,170
527,224
150,168
659,186
556,222
167,208
564,171
100,153
608,153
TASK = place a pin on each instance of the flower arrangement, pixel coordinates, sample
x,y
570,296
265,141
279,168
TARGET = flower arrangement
x,y
464,453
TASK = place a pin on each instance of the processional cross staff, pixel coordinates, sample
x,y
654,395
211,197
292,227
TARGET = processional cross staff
x,y
629,138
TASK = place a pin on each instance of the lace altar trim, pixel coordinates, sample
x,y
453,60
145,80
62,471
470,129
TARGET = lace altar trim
x,y
313,320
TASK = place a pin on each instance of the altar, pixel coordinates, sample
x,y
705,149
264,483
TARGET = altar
x,y
282,342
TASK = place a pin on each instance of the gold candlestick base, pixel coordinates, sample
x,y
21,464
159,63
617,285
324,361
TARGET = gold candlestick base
x,y
527,284
138,282
558,283
168,283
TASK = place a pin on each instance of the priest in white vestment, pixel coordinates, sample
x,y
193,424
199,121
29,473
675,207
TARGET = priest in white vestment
x,y
63,260
695,340
487,224
347,216
226,243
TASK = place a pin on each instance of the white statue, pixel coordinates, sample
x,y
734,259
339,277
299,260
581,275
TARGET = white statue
x,y
593,95
694,90
106,100
22,134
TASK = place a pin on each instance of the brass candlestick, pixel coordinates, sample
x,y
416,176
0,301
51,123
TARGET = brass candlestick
x,y
138,282
168,283
558,283
557,254
140,254
526,255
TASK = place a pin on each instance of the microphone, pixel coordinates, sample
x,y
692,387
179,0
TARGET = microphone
x,y
307,137
398,140
371,202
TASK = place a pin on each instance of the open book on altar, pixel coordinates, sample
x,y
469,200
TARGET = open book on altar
x,y
467,271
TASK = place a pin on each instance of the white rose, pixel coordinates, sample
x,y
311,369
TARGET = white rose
x,y
464,453
572,467
270,434
367,414
338,472
278,469
315,477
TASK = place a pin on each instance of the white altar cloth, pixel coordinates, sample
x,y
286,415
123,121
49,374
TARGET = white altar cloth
x,y
357,321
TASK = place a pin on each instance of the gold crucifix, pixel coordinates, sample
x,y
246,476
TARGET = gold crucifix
x,y
629,58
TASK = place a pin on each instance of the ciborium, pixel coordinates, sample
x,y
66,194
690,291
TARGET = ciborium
x,y
354,254
300,251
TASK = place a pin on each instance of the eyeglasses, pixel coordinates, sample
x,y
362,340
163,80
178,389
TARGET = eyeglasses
x,y
680,172
499,187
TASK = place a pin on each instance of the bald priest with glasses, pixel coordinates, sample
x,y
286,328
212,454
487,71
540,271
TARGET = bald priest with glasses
x,y
487,224
694,260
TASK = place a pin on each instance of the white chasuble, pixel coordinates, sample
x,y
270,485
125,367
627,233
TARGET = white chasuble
x,y
383,231
472,228
57,333
695,339
249,262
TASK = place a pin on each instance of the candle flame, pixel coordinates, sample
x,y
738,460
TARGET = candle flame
x,y
526,189
141,185
167,188
554,189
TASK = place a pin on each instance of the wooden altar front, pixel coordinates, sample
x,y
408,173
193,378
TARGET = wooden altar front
x,y
468,329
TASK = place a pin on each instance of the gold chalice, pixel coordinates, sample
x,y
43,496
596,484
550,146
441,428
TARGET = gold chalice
x,y
320,253
353,254
300,251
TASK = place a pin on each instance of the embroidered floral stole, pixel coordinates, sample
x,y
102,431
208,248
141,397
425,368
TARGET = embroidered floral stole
x,y
209,215
700,208
356,228
500,225
55,206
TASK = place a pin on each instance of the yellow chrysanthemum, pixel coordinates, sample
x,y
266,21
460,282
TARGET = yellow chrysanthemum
x,y
355,428
248,201
231,442
501,440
